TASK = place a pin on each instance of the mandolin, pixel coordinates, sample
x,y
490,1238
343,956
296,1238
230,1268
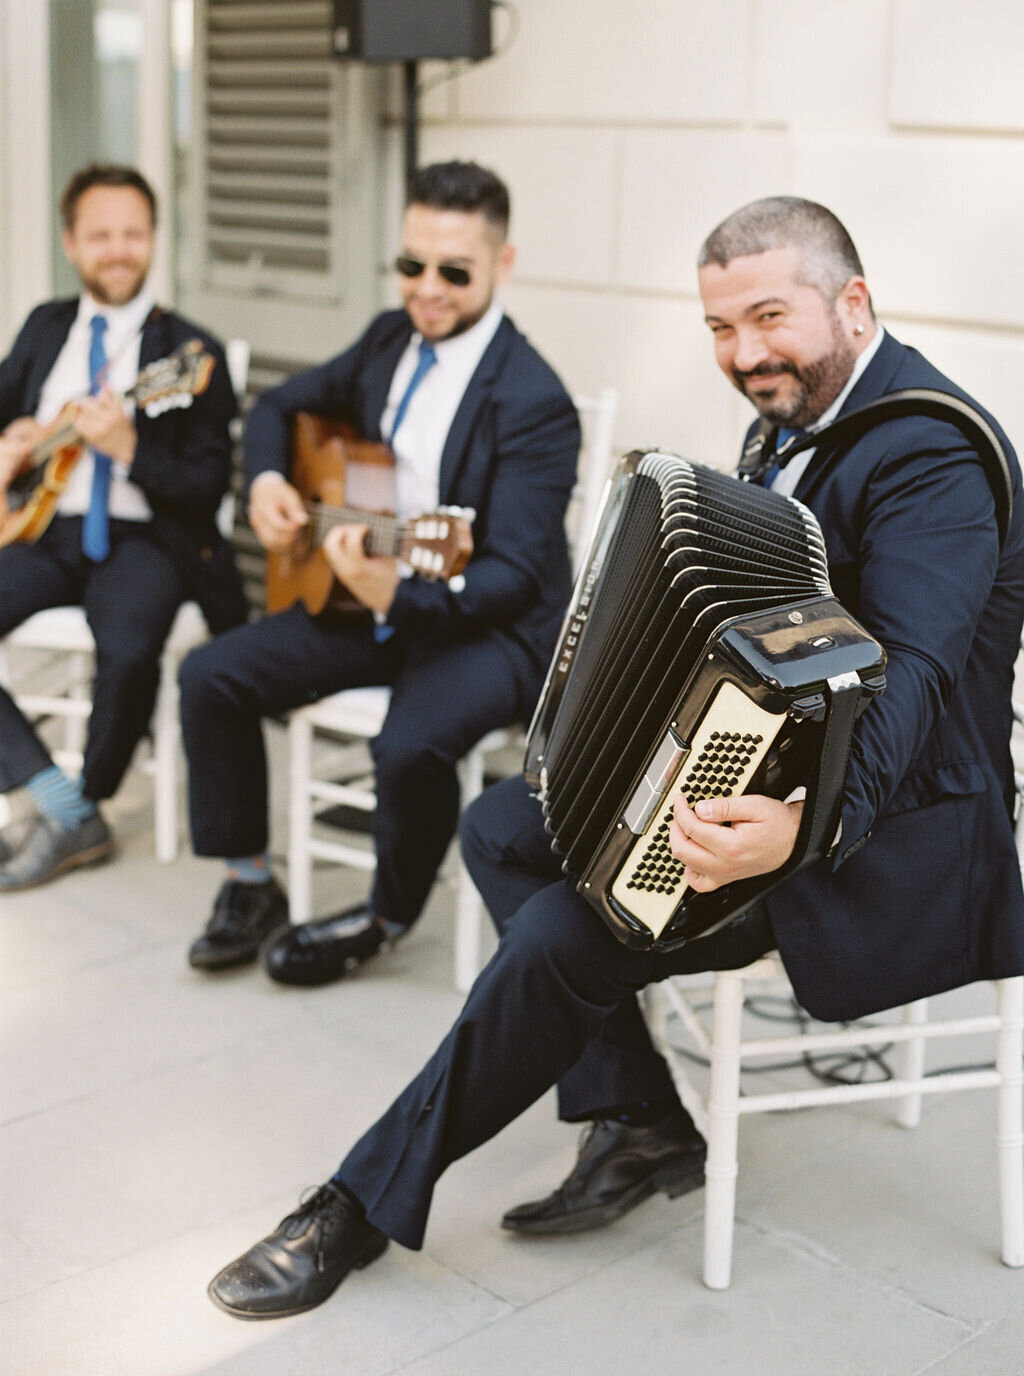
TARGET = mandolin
x,y
346,480
34,493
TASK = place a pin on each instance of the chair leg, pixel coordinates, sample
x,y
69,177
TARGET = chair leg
x,y
910,1061
1010,1130
723,1130
468,907
166,746
300,819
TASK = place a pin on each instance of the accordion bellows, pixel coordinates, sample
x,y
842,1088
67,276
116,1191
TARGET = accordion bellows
x,y
704,654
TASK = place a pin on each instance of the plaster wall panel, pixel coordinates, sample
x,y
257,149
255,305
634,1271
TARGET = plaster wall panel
x,y
586,60
937,221
957,66
654,351
821,64
679,184
988,365
562,186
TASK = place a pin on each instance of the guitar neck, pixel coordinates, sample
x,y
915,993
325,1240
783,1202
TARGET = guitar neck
x,y
384,533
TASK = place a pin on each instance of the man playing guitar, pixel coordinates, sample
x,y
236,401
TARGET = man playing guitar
x,y
132,497
476,419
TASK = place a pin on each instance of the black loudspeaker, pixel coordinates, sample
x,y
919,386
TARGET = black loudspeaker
x,y
411,30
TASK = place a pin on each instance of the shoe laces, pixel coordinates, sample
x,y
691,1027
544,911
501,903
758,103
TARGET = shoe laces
x,y
323,1205
231,914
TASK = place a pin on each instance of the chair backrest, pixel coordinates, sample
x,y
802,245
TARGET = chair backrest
x,y
597,415
1017,750
238,353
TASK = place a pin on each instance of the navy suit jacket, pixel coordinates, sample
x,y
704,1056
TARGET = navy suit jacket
x,y
183,458
923,893
510,455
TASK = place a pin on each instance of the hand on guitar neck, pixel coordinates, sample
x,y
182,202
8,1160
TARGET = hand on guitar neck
x,y
372,579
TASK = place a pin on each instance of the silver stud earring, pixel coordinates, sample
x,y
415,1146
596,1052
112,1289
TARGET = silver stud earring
x,y
858,329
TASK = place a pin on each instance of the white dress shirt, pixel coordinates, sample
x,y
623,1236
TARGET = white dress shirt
x,y
421,437
69,380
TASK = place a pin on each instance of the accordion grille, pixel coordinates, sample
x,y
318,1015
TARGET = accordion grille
x,y
692,548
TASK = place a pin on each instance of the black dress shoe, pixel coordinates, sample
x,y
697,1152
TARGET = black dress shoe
x,y
302,1262
324,950
618,1167
244,915
48,850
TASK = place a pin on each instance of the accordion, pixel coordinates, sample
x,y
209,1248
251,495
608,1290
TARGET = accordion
x,y
703,653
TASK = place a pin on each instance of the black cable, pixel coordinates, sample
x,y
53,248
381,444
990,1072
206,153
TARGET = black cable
x,y
838,1068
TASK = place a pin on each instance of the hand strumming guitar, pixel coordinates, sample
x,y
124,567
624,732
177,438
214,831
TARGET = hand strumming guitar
x,y
276,512
372,579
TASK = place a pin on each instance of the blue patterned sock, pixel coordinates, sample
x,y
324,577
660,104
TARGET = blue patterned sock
x,y
250,869
59,798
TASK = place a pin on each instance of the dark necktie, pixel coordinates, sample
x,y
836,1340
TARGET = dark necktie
x,y
782,439
426,360
95,524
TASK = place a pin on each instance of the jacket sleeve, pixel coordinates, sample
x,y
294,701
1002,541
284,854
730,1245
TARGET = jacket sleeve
x,y
927,558
183,457
327,390
14,372
533,450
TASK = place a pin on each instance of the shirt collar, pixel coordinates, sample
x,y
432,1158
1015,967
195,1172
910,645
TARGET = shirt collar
x,y
122,321
472,342
863,359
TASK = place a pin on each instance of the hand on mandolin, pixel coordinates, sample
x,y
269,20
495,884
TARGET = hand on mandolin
x,y
727,839
16,444
102,423
373,579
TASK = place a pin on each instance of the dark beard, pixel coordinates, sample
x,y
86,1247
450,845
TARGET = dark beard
x,y
818,384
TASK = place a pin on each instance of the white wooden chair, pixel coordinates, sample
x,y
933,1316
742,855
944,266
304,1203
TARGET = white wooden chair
x,y
64,632
317,733
726,1048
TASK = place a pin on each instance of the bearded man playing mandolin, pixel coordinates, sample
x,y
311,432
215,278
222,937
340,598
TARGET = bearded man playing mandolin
x,y
480,430
114,455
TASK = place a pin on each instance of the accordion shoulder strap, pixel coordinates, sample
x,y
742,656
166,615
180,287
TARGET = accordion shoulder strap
x,y
919,401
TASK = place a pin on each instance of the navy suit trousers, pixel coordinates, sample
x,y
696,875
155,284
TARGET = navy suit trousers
x,y
446,694
552,1003
130,600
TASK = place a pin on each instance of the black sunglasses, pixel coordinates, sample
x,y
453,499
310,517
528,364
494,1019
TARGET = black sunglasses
x,y
412,267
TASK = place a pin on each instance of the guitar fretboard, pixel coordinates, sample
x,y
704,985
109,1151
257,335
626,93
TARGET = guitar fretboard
x,y
384,533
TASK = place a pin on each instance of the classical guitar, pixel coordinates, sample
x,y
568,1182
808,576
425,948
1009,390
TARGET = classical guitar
x,y
34,493
346,480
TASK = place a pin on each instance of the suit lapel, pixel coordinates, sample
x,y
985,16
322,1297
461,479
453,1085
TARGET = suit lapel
x,y
476,394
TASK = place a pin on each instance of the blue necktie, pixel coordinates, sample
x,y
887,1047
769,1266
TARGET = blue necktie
x,y
95,526
426,360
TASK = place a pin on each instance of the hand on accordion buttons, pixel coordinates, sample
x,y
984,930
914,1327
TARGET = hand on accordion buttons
x,y
727,839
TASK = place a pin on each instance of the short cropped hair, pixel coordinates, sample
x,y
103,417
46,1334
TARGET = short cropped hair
x,y
462,186
102,174
830,258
